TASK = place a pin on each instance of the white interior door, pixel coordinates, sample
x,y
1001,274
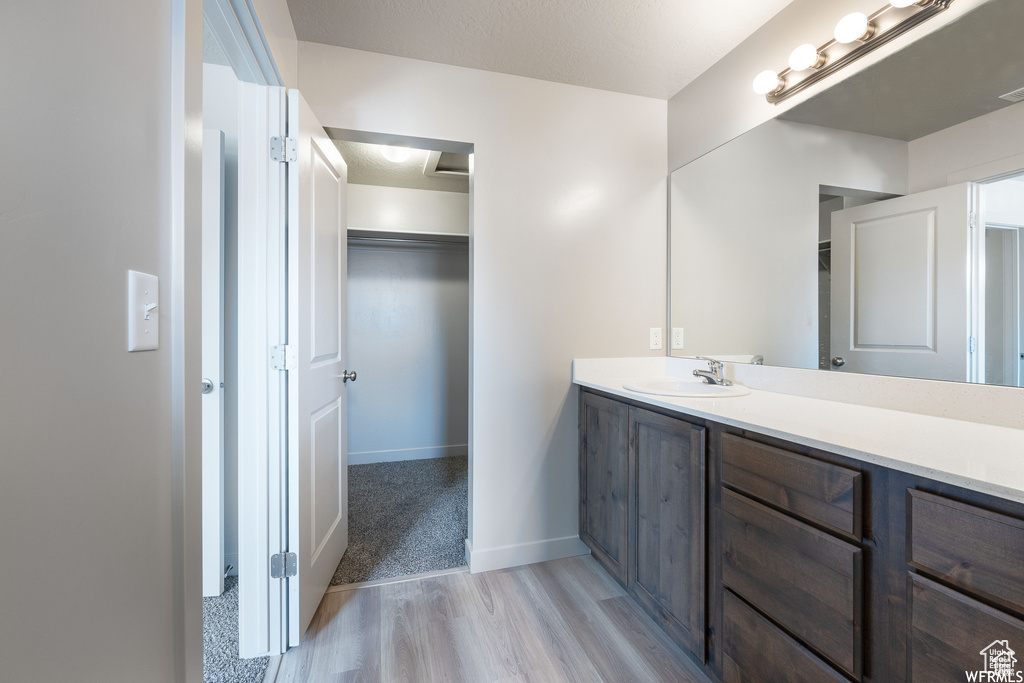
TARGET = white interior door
x,y
901,299
213,362
317,406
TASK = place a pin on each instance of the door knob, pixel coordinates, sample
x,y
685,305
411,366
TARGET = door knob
x,y
838,361
346,376
207,386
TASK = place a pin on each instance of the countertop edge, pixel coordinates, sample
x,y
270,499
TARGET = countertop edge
x,y
915,468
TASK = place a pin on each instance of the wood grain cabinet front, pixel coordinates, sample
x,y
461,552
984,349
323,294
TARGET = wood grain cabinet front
x,y
756,651
667,531
952,634
820,492
980,551
604,481
807,581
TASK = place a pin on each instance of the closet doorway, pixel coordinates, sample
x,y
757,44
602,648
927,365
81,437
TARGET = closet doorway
x,y
409,343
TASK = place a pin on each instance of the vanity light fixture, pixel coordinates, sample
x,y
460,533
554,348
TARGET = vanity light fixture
x,y
805,57
768,82
854,28
856,35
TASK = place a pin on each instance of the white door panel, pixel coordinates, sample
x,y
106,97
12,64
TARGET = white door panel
x,y
317,408
213,362
900,285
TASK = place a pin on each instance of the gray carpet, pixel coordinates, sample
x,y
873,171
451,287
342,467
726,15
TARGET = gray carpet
x,y
220,641
405,518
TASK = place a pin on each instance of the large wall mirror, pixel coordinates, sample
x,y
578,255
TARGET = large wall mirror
x,y
875,228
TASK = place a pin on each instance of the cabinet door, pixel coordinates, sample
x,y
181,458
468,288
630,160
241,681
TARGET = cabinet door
x,y
667,536
952,634
604,481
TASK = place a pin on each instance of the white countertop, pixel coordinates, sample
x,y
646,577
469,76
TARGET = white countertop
x,y
980,457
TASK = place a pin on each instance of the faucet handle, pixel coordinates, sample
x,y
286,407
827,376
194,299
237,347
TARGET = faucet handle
x,y
716,366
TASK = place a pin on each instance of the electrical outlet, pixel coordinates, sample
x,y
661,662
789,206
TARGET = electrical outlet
x,y
655,337
677,337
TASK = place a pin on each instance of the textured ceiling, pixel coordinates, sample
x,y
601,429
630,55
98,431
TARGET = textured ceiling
x,y
641,47
213,53
366,166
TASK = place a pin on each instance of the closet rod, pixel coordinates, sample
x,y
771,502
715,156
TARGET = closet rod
x,y
409,240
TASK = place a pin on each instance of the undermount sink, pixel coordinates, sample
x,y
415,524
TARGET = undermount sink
x,y
678,386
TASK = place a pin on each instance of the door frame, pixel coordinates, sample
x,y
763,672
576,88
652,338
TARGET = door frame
x,y
262,307
454,147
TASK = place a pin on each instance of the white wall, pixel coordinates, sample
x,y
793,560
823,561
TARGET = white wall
x,y
721,104
220,111
568,260
95,573
972,149
408,339
276,23
376,207
745,229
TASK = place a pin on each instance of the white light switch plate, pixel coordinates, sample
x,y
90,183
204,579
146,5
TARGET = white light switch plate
x,y
655,337
143,301
677,337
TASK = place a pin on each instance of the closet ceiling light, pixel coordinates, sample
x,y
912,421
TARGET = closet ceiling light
x,y
395,154
855,35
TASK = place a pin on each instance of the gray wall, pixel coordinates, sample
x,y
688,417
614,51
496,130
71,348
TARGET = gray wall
x,y
745,230
408,338
88,495
567,261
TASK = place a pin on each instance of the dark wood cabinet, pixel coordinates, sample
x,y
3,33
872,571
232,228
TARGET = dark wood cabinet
x,y
756,651
817,491
604,481
667,532
642,510
805,580
776,562
950,633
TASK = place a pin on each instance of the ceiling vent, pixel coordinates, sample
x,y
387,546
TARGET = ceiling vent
x,y
446,164
1015,96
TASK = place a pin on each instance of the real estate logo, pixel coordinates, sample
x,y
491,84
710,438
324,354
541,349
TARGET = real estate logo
x,y
1000,664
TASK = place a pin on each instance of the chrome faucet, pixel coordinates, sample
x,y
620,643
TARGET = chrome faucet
x,y
713,375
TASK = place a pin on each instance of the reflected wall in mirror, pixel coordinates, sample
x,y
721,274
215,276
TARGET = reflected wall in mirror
x,y
839,236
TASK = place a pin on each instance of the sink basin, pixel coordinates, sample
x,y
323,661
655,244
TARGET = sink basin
x,y
676,386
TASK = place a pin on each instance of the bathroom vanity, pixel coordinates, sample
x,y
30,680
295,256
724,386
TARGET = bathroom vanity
x,y
784,538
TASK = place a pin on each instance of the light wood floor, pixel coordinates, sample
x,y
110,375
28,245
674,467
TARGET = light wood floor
x,y
565,620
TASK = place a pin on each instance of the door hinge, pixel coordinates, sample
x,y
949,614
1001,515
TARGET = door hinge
x,y
283,565
974,220
971,344
284,149
284,357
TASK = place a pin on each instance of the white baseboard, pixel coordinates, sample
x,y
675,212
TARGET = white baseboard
x,y
367,457
488,559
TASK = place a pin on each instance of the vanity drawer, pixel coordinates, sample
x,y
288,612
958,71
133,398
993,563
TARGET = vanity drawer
x,y
949,632
754,650
817,491
977,550
804,579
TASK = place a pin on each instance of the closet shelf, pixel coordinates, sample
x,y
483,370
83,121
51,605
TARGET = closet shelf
x,y
407,236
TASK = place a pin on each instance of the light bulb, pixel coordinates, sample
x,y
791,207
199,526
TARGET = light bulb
x,y
767,82
805,57
854,27
395,154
